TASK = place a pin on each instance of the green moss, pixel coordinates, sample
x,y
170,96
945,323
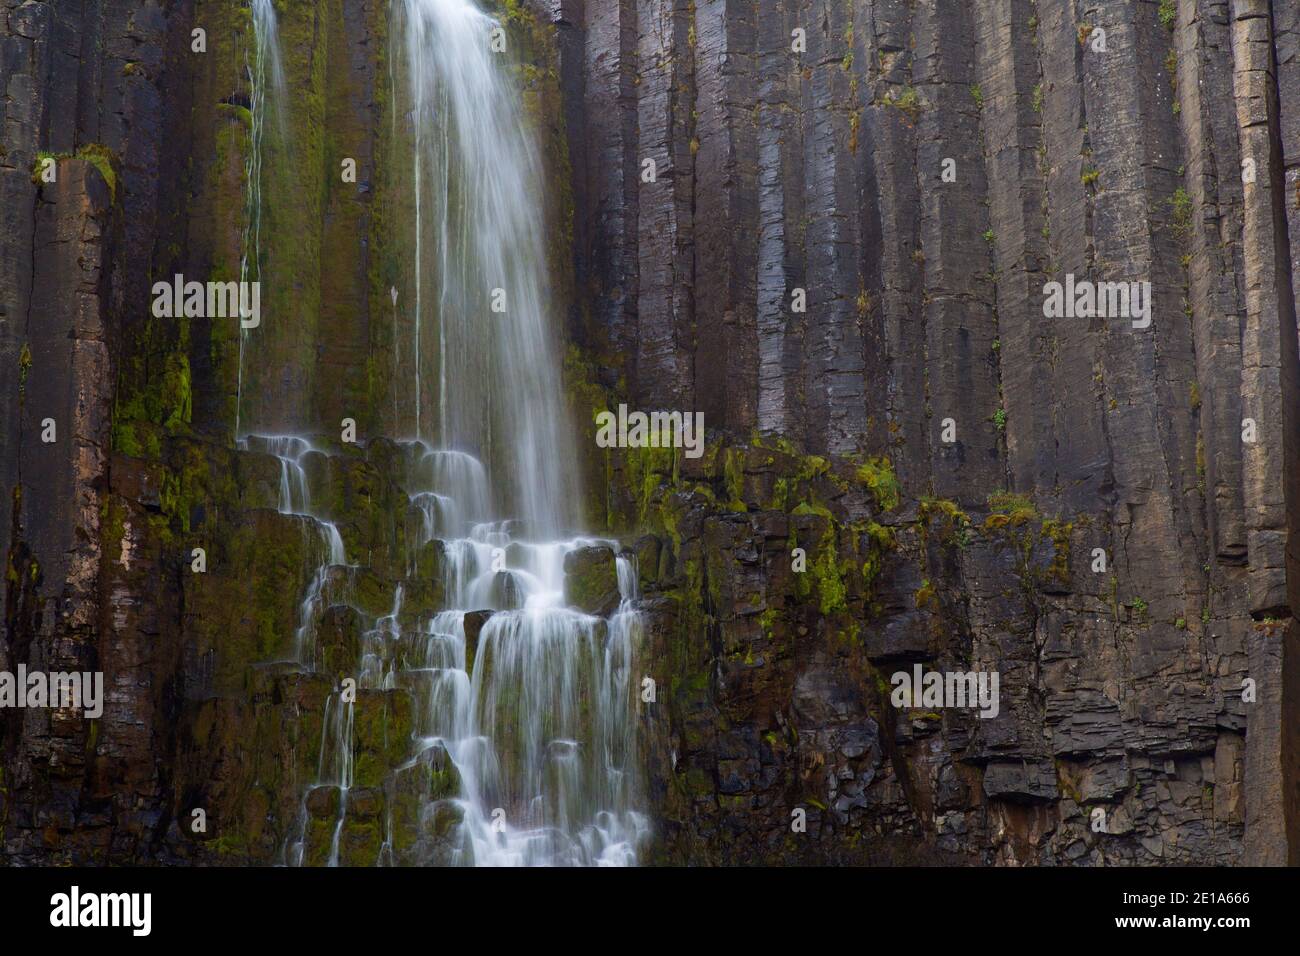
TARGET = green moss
x,y
1059,532
1009,508
828,574
647,468
97,154
877,474
881,541
176,394
1181,204
905,101
733,469
1168,13
24,367
804,508
164,406
113,522
515,11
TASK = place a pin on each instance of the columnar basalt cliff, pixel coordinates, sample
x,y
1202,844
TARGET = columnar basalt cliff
x,y
825,224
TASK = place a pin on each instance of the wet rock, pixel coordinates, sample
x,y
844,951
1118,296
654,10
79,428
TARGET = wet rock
x,y
591,580
423,821
339,637
474,621
382,731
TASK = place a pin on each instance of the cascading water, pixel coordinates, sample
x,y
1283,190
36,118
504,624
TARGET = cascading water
x,y
542,731
335,764
537,715
479,244
528,714
265,84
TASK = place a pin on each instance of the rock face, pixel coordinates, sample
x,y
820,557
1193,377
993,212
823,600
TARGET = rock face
x,y
591,580
1123,141
827,226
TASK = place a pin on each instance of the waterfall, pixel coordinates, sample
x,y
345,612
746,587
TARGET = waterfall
x,y
541,728
479,242
265,82
536,712
524,709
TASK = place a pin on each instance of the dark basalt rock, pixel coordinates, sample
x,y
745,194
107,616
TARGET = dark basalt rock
x,y
777,171
591,580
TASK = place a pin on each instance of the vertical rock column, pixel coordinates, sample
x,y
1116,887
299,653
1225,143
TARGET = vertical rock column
x,y
663,362
1269,398
608,265
65,392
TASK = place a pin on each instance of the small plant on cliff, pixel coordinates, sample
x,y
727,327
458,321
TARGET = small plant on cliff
x,y
908,101
1168,13
24,366
1009,509
1181,203
98,155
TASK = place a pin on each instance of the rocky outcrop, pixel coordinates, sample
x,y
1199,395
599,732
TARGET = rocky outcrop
x,y
1113,141
591,581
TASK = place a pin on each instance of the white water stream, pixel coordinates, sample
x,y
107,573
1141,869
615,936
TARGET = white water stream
x,y
539,714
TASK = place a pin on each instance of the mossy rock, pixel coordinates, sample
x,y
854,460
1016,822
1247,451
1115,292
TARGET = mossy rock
x,y
421,599
424,589
323,805
381,728
649,556
591,580
361,839
258,476
363,589
339,640
416,793
244,609
430,561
